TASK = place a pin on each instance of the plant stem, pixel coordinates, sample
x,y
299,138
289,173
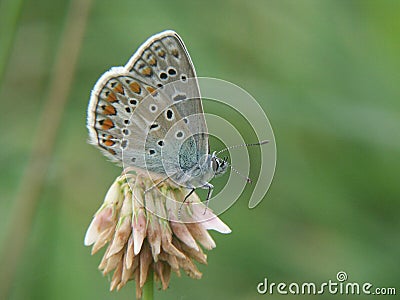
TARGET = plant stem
x,y
148,288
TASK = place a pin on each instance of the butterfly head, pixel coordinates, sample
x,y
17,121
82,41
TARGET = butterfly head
x,y
219,165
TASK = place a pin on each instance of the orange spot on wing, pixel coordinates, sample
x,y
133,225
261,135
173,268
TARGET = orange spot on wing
x,y
161,53
111,98
109,142
135,87
152,90
175,52
147,71
112,151
109,110
107,124
152,61
119,89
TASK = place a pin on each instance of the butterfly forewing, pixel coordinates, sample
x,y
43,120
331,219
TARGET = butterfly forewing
x,y
163,60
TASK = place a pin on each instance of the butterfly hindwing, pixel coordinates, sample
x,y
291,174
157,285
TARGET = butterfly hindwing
x,y
115,97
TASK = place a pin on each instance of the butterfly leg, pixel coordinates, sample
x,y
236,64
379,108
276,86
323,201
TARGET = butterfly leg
x,y
210,190
184,200
188,195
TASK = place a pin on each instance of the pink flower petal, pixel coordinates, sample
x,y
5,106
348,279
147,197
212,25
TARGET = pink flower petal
x,y
139,230
208,219
101,222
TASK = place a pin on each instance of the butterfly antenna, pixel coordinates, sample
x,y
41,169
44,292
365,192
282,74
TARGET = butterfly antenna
x,y
248,180
243,145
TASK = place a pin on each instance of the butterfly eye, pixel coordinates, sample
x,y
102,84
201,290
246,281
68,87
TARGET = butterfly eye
x,y
223,162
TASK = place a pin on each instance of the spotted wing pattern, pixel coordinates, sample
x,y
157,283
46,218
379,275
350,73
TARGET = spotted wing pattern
x,y
149,114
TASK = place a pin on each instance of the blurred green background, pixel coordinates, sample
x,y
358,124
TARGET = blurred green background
x,y
327,75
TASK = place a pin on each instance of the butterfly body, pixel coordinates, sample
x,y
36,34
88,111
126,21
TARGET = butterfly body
x,y
148,114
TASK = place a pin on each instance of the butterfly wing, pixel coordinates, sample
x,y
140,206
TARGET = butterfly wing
x,y
114,99
138,113
164,62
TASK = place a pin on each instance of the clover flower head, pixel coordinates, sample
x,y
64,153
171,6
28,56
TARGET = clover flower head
x,y
150,231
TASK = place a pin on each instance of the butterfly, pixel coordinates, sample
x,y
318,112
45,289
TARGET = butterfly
x,y
148,114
